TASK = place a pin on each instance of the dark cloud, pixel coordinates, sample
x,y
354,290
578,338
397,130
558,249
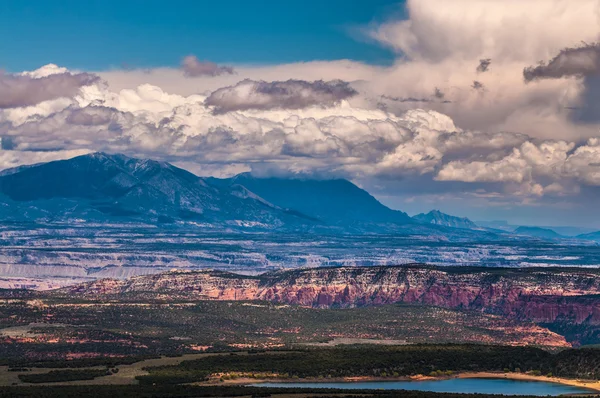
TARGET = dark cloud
x,y
193,67
20,90
290,94
477,85
588,105
90,116
579,62
407,99
412,100
439,94
484,65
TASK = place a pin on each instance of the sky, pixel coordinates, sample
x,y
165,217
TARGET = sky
x,y
104,34
488,109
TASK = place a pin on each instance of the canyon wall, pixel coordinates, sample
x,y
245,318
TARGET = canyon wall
x,y
542,295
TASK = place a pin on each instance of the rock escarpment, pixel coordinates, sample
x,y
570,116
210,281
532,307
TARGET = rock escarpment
x,y
564,300
542,295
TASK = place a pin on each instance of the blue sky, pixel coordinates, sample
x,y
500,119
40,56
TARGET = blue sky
x,y
103,34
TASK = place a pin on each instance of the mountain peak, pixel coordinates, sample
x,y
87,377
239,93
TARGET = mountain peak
x,y
538,232
333,201
104,156
437,217
99,186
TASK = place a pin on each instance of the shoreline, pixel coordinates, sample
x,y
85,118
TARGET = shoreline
x,y
592,385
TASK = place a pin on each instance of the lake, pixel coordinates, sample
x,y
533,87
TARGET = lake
x,y
482,386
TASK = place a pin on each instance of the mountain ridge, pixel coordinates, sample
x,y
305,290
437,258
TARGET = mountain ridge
x,y
538,232
323,199
100,186
436,217
103,188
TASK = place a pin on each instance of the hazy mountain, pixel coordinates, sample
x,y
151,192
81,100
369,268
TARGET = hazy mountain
x,y
569,231
572,231
538,232
106,188
98,185
590,236
436,217
102,187
335,202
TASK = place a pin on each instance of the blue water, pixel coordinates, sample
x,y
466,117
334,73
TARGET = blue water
x,y
482,386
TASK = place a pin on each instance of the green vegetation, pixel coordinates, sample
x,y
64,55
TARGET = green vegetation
x,y
383,361
151,328
64,375
108,362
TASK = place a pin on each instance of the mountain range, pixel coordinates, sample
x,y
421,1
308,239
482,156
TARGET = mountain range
x,y
108,188
102,187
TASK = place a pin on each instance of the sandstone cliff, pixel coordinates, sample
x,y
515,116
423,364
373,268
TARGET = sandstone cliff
x,y
542,295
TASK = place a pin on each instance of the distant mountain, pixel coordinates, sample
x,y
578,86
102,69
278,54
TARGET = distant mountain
x,y
436,217
565,231
103,187
590,236
573,231
106,188
537,232
100,186
335,202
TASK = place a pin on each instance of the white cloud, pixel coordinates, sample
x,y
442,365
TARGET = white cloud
x,y
10,159
504,30
337,140
512,168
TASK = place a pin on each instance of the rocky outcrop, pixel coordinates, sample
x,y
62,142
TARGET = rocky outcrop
x,y
536,294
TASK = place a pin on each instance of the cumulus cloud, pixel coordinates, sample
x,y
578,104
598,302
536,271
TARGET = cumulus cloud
x,y
507,169
27,89
10,159
193,67
581,64
443,42
422,146
290,94
561,165
495,29
440,44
